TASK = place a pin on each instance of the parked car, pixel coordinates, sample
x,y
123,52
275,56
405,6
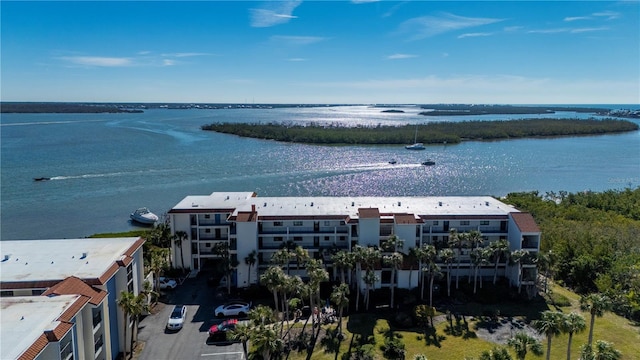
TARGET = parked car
x,y
219,331
166,283
233,308
177,317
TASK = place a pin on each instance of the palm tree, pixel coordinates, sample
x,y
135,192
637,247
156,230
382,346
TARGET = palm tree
x,y
158,262
241,333
266,341
522,343
139,305
498,248
413,257
370,257
282,257
427,256
596,304
475,240
272,279
342,260
446,256
369,279
340,297
433,271
497,353
358,260
549,324
394,260
572,323
250,260
604,351
519,257
546,261
457,241
178,238
301,255
126,302
479,257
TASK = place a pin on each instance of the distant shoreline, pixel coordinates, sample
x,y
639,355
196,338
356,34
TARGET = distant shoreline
x,y
431,133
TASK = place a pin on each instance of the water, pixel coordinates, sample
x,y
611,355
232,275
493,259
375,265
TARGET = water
x,y
103,166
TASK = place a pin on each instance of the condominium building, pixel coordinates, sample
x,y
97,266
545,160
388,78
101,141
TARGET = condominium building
x,y
59,297
324,225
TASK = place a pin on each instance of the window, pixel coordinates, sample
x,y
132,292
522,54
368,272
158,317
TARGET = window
x,y
297,238
297,223
207,216
208,231
66,350
342,223
97,345
326,238
343,238
277,238
436,222
385,276
37,292
327,223
130,278
207,245
4,293
464,222
97,316
277,223
484,222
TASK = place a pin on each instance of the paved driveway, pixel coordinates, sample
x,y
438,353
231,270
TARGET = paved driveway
x,y
191,341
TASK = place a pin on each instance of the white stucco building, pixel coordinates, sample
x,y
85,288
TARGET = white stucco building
x,y
59,297
323,225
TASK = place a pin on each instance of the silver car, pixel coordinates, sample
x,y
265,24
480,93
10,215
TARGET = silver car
x,y
177,317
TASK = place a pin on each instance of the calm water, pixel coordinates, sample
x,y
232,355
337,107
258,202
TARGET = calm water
x,y
103,166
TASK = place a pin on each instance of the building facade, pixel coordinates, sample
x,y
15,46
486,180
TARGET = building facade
x,y
324,225
59,297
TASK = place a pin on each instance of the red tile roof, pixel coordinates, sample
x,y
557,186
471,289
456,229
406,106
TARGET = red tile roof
x,y
405,219
368,213
247,216
525,222
73,285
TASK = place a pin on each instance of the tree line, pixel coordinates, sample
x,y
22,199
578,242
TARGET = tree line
x,y
430,133
590,242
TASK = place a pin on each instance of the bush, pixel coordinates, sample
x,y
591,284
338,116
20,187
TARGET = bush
x,y
393,348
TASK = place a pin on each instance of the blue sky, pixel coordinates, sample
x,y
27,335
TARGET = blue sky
x,y
360,52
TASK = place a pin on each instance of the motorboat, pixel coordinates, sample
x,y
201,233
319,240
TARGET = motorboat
x,y
392,161
428,162
41,179
144,216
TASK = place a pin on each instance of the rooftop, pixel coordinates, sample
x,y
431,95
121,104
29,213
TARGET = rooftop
x,y
57,259
25,319
344,206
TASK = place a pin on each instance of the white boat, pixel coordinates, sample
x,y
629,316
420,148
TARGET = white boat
x,y
416,145
144,216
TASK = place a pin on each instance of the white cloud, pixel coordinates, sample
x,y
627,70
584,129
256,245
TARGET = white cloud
x,y
168,62
512,28
401,56
567,30
581,30
274,13
185,54
426,26
363,1
576,18
297,40
474,35
296,59
98,61
609,15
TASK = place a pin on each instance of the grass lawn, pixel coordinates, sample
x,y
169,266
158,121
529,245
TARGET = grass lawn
x,y
465,342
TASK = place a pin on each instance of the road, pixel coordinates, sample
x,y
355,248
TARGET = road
x,y
191,341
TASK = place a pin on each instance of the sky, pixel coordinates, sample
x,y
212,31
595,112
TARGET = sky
x,y
322,52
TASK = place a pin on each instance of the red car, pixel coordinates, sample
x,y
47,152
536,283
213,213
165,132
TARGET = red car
x,y
220,330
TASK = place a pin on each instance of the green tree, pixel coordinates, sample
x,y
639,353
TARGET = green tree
x,y
498,249
549,324
250,260
457,241
447,256
343,261
241,333
572,323
522,343
393,260
126,302
497,353
178,238
273,278
340,297
596,304
603,351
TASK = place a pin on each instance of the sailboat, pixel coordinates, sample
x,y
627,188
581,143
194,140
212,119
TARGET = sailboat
x,y
416,145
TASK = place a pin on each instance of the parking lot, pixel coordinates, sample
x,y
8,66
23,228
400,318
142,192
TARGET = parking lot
x,y
191,342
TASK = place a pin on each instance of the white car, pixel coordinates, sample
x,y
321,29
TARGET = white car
x,y
167,283
177,317
233,308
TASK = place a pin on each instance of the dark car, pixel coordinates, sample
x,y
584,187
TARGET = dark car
x,y
219,331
